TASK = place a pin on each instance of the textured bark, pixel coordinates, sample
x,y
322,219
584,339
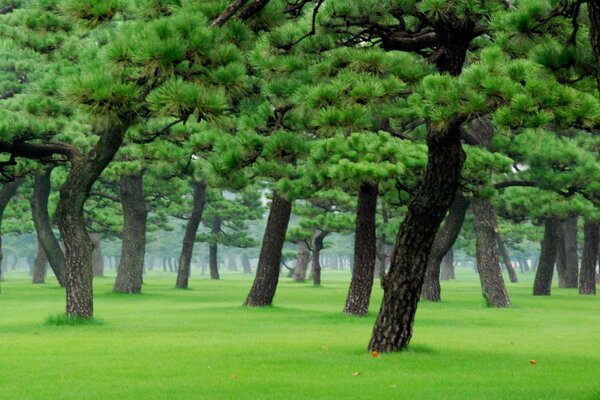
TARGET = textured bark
x,y
213,248
39,265
317,246
361,285
591,241
542,285
568,275
301,262
269,261
488,264
381,249
97,259
43,228
187,249
133,245
512,274
6,193
447,265
402,284
594,13
444,239
246,264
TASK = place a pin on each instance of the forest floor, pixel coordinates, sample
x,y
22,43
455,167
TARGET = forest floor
x,y
201,343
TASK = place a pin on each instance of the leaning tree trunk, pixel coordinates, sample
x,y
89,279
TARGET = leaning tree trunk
x,y
359,294
488,264
97,259
447,265
6,193
542,285
301,262
71,223
444,239
269,261
133,245
402,284
591,241
512,274
39,265
43,228
187,249
317,246
569,278
213,248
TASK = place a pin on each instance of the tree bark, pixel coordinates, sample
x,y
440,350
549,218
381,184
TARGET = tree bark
x,y
133,245
594,13
97,259
213,248
6,193
246,264
269,261
512,274
490,275
542,285
359,294
447,265
569,276
444,239
187,249
41,220
381,248
402,284
317,246
301,262
39,265
591,241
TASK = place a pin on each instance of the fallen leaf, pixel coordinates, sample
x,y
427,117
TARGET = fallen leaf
x,y
356,373
234,376
533,362
375,354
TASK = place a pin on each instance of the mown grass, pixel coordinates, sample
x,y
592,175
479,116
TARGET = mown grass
x,y
202,344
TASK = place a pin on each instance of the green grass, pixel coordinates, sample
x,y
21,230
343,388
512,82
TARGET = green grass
x,y
201,344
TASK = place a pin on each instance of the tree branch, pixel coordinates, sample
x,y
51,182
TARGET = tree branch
x,y
104,195
233,8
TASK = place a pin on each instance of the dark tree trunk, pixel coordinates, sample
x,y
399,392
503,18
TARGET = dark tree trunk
x,y
189,238
381,249
569,277
359,294
97,259
542,285
512,274
39,265
71,223
317,246
301,262
591,241
447,265
133,245
41,220
213,248
6,193
269,261
444,239
246,264
402,284
594,13
490,275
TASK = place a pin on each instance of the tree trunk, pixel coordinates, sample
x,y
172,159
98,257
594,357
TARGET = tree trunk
x,y
444,239
6,193
512,274
317,246
381,249
542,285
212,248
246,264
359,294
231,262
447,265
569,277
187,249
97,259
133,245
39,265
591,241
402,284
594,13
41,220
301,262
269,261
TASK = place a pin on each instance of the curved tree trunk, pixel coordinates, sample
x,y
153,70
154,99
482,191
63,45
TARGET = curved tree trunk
x,y
301,262
39,265
591,242
402,284
6,193
359,294
133,245
41,220
269,261
187,249
512,274
488,264
542,285
97,259
213,248
447,265
444,239
317,246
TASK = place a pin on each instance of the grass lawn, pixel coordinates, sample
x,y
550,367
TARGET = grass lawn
x,y
201,344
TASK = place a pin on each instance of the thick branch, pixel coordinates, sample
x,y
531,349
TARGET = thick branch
x,y
233,8
38,151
